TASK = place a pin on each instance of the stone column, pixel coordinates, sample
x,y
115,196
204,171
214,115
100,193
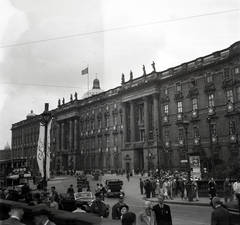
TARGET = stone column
x,y
58,136
132,121
62,137
146,117
124,122
70,135
156,114
75,134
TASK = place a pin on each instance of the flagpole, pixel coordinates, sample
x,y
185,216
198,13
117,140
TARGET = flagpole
x,y
88,81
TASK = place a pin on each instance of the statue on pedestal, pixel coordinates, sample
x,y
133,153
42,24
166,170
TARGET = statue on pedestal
x,y
63,101
76,96
123,78
144,70
71,97
131,75
153,66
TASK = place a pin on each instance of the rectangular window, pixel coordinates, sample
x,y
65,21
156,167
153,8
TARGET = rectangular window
x,y
236,70
93,127
99,143
230,95
179,107
226,73
238,93
195,132
114,120
107,122
213,128
141,113
194,104
165,91
107,141
166,109
142,135
178,87
93,145
99,124
181,135
87,146
209,79
211,100
232,127
115,141
167,136
107,107
87,126
193,83
115,105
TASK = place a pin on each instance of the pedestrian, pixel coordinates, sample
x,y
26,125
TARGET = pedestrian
x,y
165,189
40,215
70,192
103,191
195,189
219,216
236,188
141,186
116,213
212,189
157,191
97,188
128,176
54,194
129,218
174,188
98,207
153,187
16,196
147,216
148,188
227,187
8,195
16,214
79,188
80,207
163,212
53,203
123,210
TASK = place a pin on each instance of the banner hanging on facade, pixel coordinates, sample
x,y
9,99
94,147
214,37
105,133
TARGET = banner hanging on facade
x,y
40,149
48,150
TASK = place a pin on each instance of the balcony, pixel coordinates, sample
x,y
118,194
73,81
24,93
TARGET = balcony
x,y
197,141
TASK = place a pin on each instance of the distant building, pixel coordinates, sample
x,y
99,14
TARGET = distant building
x,y
140,124
6,152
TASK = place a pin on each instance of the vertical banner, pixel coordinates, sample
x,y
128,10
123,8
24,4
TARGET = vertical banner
x,y
195,166
40,149
48,150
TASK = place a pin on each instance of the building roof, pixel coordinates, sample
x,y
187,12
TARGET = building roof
x,y
95,89
30,115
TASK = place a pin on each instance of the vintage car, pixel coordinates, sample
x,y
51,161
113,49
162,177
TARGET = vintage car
x,y
86,197
113,187
233,208
82,181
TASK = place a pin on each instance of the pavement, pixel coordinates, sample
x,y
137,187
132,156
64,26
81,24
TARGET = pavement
x,y
202,201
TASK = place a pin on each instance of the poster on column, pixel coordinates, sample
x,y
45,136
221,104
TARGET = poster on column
x,y
195,166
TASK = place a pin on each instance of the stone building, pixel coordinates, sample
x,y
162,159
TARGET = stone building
x,y
140,124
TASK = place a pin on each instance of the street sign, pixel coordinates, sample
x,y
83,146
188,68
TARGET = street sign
x,y
184,161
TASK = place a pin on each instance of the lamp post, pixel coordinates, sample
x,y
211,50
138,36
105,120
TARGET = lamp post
x,y
189,185
46,116
211,148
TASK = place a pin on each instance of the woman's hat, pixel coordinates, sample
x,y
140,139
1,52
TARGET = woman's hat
x,y
122,206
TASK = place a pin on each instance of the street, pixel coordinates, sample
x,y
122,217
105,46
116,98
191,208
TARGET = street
x,y
181,214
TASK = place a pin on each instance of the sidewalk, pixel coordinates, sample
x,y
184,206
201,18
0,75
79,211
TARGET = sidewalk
x,y
202,201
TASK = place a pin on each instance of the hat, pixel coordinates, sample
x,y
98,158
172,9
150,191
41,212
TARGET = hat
x,y
122,206
40,209
121,195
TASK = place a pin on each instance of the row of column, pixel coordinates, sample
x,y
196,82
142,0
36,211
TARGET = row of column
x,y
70,126
156,115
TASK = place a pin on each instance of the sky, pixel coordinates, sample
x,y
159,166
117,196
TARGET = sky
x,y
44,45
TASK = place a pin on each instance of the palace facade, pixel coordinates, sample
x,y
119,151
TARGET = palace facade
x,y
140,124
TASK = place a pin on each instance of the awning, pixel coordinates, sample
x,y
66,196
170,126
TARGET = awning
x,y
16,176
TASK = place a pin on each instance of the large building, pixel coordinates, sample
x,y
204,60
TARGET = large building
x,y
141,124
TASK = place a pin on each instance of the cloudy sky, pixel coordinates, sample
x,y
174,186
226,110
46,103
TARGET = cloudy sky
x,y
44,45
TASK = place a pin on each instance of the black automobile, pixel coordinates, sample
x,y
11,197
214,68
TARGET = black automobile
x,y
113,187
233,208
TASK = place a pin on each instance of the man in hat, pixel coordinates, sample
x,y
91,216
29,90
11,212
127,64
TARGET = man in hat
x,y
116,212
16,214
98,207
40,215
162,212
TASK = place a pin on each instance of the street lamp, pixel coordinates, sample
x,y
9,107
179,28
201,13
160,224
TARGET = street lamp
x,y
185,124
46,116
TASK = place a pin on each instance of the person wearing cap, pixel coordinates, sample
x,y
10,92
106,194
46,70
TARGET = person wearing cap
x,y
116,213
40,215
162,212
219,216
98,207
16,214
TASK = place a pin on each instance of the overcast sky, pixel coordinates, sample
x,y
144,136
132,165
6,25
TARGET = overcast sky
x,y
44,45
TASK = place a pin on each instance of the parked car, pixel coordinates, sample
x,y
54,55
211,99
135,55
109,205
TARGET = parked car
x,y
233,208
113,187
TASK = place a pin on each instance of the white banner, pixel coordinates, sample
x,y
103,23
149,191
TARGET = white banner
x,y
48,150
40,149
